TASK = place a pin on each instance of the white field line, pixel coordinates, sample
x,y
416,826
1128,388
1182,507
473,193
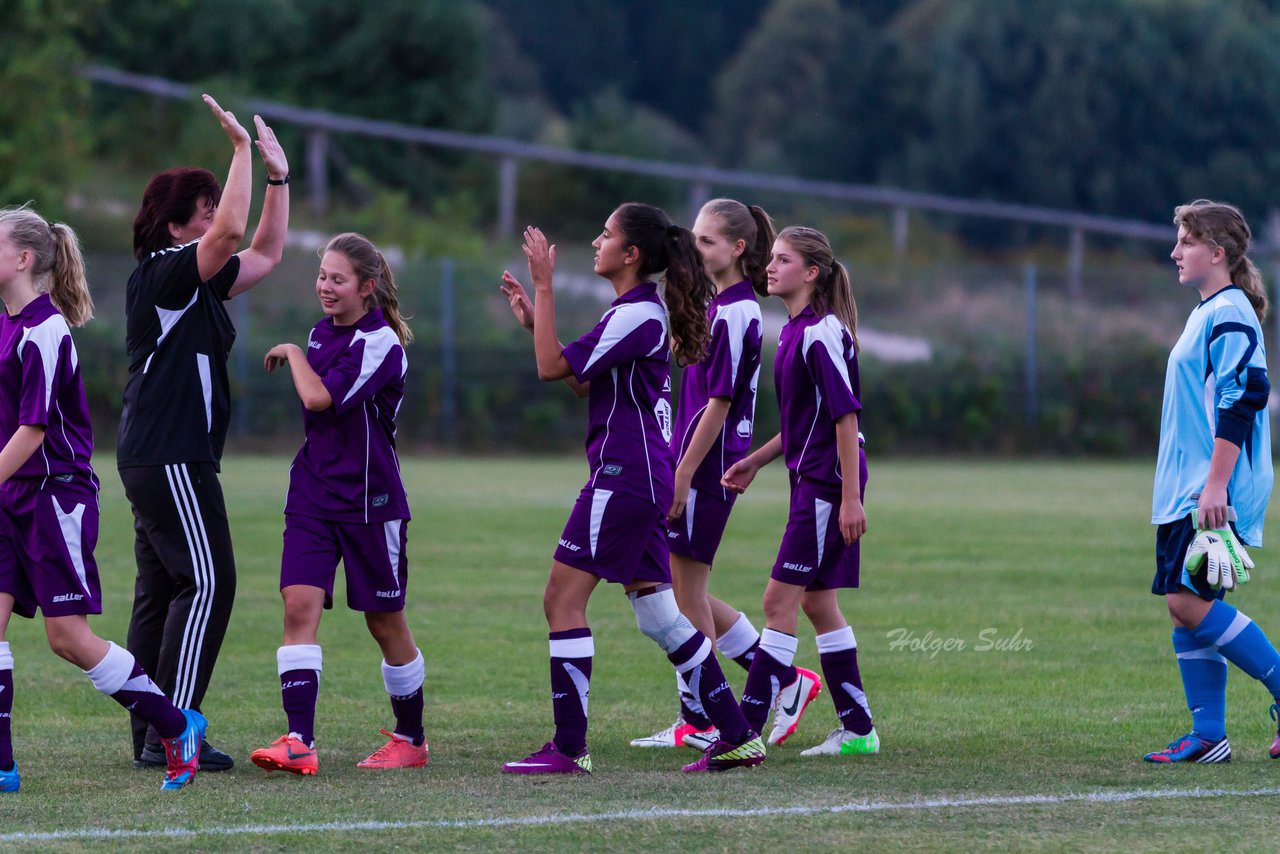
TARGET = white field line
x,y
643,815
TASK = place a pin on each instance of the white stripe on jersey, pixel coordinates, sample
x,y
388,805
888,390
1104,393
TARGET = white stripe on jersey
x,y
206,388
829,332
47,336
624,320
377,344
169,318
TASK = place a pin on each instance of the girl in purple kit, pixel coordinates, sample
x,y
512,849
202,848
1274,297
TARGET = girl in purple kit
x,y
713,427
49,493
816,376
346,502
616,530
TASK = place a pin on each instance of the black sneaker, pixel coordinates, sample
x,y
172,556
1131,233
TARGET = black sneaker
x,y
211,758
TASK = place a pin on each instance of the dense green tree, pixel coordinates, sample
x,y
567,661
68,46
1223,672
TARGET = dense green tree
x,y
42,103
1121,108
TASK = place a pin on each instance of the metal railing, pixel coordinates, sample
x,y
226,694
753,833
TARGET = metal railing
x,y
319,124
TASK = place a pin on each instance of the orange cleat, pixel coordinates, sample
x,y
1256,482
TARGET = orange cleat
x,y
397,753
287,753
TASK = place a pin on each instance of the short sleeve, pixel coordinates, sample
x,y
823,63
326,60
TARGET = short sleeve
x,y
623,335
825,357
173,275
41,350
371,362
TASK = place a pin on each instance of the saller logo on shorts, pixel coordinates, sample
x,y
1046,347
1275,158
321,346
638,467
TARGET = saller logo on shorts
x,y
570,546
381,500
797,567
387,594
612,469
68,597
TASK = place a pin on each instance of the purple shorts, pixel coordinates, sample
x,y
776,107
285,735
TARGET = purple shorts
x,y
697,532
373,557
813,554
617,537
46,550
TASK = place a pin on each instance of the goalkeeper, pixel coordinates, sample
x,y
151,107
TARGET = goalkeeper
x,y
1213,476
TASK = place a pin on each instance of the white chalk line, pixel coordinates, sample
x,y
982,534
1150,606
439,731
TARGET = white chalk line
x,y
643,815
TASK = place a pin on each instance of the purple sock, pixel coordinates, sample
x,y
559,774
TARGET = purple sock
x,y
744,660
701,669
838,652
571,654
691,711
766,676
122,679
844,682
404,686
299,690
6,707
299,666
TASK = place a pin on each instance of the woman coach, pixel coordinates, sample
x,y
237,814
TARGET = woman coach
x,y
176,409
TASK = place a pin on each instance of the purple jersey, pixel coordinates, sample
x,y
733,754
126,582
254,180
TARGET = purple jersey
x,y
347,469
816,377
730,369
626,361
40,386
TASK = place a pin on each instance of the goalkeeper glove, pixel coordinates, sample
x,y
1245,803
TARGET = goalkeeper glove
x,y
1219,552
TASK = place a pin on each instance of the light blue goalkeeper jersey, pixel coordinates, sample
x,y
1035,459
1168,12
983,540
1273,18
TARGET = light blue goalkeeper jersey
x,y
1216,386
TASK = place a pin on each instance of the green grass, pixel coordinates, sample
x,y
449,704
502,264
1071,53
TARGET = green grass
x,y
1057,556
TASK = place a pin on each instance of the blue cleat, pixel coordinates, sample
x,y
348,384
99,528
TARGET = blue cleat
x,y
1192,748
182,754
9,781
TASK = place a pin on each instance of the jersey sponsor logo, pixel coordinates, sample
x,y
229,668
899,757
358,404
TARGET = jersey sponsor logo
x,y
663,413
611,470
387,594
565,544
68,597
381,500
314,345
797,567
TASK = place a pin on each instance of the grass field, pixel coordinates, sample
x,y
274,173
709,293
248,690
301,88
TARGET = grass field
x,y
1027,737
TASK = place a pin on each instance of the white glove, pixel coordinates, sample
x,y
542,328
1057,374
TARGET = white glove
x,y
1217,550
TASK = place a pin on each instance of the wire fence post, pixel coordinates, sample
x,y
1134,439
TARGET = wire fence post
x,y
1031,407
448,357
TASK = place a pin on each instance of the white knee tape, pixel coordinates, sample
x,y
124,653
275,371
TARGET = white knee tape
x,y
659,618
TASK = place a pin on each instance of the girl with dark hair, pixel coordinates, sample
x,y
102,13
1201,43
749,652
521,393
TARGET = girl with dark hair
x,y
177,406
816,376
616,530
346,502
1213,476
713,428
49,492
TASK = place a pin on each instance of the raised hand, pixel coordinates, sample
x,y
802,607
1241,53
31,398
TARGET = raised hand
x,y
230,125
542,257
272,153
518,298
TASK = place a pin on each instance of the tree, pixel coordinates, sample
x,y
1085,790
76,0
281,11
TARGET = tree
x,y
43,131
